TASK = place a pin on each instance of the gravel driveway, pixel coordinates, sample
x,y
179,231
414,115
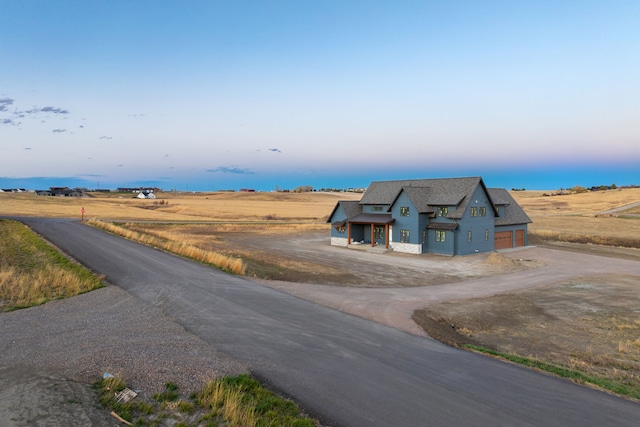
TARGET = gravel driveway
x,y
395,306
51,354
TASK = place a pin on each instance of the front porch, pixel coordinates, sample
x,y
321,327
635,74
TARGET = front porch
x,y
369,230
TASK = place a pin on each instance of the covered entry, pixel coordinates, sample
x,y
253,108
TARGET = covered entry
x,y
374,228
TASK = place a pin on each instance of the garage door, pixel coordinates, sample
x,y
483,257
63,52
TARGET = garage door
x,y
503,240
519,237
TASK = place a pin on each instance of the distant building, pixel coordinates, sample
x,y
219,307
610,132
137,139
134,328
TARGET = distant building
x,y
450,216
146,195
61,192
138,190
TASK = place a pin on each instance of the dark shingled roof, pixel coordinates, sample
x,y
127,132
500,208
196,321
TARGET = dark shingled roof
x,y
366,218
419,196
425,193
514,214
351,208
442,225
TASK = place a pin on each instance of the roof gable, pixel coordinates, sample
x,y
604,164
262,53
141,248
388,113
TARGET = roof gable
x,y
426,193
419,197
514,214
443,191
351,208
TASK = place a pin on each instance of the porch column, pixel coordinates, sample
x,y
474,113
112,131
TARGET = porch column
x,y
373,237
348,233
386,236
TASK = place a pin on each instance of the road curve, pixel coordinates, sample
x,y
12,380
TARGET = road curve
x,y
343,369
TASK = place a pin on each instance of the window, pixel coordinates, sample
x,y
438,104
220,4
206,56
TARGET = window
x,y
469,236
486,234
443,210
404,211
441,235
474,211
404,236
376,208
423,237
483,211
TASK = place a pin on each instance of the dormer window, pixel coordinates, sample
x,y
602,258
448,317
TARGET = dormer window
x,y
442,211
376,208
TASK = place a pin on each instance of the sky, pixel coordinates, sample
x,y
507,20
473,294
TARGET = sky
x,y
228,94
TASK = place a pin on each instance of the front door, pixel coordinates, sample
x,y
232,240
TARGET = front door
x,y
378,234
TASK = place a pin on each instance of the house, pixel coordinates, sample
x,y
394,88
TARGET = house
x,y
61,192
450,216
146,195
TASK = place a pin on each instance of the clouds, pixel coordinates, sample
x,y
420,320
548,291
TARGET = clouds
x,y
54,110
4,106
4,103
231,169
11,117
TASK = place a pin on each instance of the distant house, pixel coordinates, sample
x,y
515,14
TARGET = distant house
x,y
61,192
146,195
450,216
138,190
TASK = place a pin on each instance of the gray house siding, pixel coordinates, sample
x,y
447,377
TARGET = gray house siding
x,y
423,233
375,209
475,226
338,215
409,223
439,247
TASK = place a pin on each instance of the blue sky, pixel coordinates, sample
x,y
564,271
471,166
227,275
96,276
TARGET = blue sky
x,y
209,95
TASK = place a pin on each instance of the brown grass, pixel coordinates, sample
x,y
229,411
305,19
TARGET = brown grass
x,y
227,403
32,272
177,245
577,218
222,206
588,203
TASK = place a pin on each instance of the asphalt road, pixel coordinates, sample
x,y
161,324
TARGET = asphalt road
x,y
345,370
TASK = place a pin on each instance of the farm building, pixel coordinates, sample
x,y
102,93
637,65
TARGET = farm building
x,y
449,216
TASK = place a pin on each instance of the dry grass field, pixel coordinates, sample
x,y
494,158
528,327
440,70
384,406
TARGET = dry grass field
x,y
579,218
189,207
229,223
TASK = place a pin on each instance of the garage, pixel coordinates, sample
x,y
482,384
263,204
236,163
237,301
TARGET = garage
x,y
503,240
519,238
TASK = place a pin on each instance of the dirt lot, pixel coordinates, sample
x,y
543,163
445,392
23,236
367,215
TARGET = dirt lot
x,y
306,257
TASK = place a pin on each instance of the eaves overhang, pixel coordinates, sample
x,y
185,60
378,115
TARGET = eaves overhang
x,y
367,218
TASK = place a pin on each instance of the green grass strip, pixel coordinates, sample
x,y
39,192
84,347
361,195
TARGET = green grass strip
x,y
560,371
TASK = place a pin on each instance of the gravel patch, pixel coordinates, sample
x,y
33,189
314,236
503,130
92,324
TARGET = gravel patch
x,y
109,330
